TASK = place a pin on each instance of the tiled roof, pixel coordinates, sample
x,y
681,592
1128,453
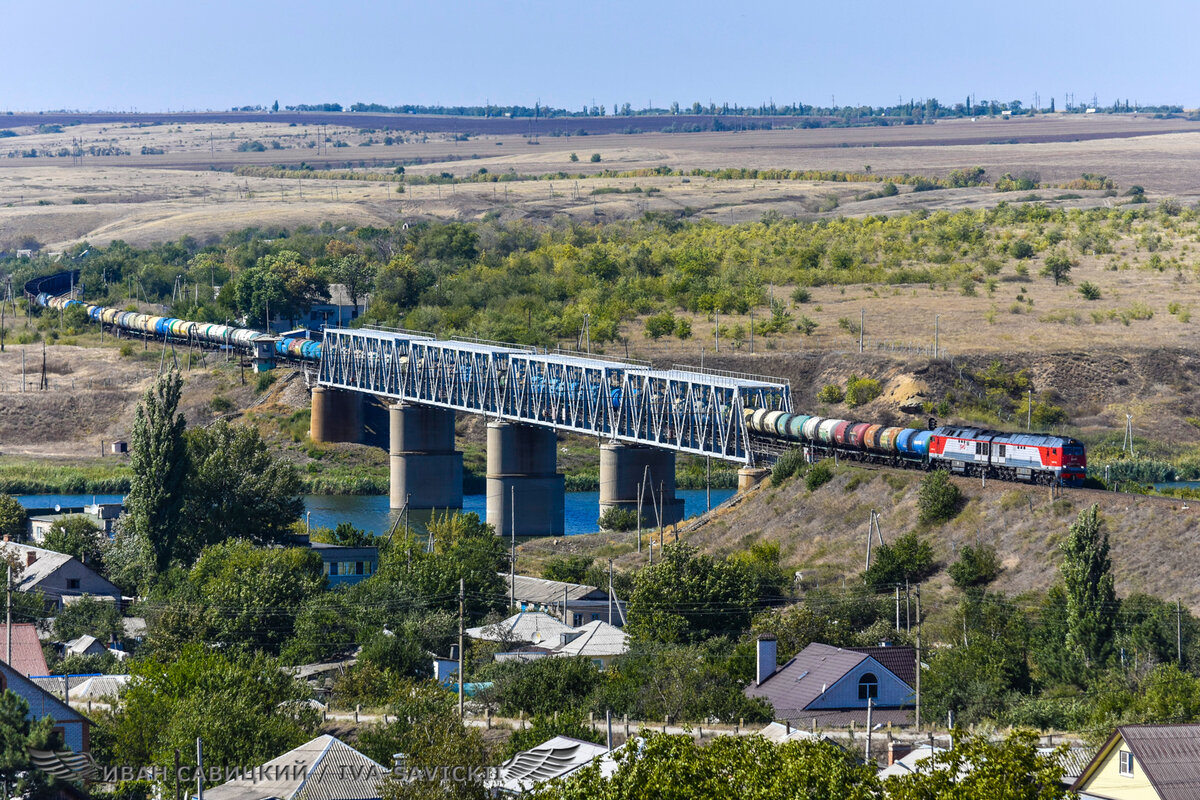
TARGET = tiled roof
x,y
324,769
806,677
900,661
556,758
1169,755
27,657
525,626
595,640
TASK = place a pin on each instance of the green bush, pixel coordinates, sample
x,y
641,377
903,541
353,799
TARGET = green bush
x,y
860,391
818,475
263,381
619,519
1089,290
790,463
1020,249
907,560
801,295
660,325
220,404
595,158
938,500
831,393
976,566
806,326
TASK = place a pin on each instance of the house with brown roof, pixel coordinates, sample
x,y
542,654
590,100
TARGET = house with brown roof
x,y
1145,762
825,685
27,656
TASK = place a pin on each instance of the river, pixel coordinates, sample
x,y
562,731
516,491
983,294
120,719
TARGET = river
x,y
371,512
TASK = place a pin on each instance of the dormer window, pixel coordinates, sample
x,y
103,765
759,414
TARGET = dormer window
x,y
868,686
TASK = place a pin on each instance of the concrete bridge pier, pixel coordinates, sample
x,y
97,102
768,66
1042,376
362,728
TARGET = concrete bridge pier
x,y
426,470
624,468
522,462
749,477
336,415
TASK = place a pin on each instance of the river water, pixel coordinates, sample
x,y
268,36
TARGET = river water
x,y
371,512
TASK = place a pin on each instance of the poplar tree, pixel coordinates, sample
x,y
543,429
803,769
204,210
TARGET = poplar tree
x,y
1091,600
160,464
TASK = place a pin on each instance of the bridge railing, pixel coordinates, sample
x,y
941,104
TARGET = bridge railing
x,y
685,411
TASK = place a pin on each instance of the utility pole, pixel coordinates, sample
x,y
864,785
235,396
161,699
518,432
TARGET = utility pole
x,y
199,769
917,710
566,602
462,601
897,608
862,320
610,591
8,618
870,708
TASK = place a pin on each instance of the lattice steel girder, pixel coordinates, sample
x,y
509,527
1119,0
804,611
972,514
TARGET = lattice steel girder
x,y
681,409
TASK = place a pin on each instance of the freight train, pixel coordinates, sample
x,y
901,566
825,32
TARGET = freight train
x,y
292,347
1026,457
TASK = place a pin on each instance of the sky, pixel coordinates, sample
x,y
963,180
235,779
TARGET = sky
x,y
172,55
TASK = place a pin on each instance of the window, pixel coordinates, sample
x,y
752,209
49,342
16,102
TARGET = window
x,y
333,568
359,568
868,686
578,620
1126,763
72,583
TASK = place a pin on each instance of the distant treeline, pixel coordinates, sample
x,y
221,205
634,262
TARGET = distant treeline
x,y
911,110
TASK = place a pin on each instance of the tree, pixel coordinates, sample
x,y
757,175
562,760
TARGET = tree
x,y
543,728
346,535
12,517
236,594
282,281
691,596
938,499
677,767
78,536
246,707
1013,769
545,685
89,616
976,566
356,274
1058,266
237,490
18,734
1091,600
907,560
425,728
159,466
464,547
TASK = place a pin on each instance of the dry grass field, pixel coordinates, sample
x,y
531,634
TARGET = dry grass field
x,y
189,187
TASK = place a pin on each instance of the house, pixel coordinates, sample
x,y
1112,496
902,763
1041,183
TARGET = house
x,y
583,603
339,312
325,768
597,641
58,576
102,515
556,758
825,685
346,565
85,645
99,687
1144,762
528,627
27,656
75,728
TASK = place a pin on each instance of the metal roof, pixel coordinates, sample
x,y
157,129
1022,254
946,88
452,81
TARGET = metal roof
x,y
526,626
547,592
27,656
900,661
556,758
596,639
1169,755
325,768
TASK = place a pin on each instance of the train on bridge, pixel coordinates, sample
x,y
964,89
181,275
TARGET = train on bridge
x,y
1024,457
52,291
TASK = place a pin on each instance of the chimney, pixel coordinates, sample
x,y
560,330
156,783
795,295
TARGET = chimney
x,y
897,751
767,657
30,557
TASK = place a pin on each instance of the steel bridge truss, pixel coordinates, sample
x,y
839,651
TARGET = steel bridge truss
x,y
681,409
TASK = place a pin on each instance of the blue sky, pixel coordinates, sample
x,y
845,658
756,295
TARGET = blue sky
x,y
169,54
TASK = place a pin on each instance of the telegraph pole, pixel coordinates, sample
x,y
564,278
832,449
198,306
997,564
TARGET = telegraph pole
x,y
512,550
461,632
917,712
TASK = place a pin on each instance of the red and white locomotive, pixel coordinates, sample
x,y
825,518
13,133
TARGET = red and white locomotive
x,y
1034,458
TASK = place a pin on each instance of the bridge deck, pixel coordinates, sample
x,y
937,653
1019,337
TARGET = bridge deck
x,y
682,408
